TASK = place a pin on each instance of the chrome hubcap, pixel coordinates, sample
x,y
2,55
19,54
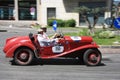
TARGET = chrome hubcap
x,y
23,56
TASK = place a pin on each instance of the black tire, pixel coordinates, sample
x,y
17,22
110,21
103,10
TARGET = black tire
x,y
23,56
92,57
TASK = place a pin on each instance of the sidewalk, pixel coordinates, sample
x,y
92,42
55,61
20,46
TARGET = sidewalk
x,y
110,50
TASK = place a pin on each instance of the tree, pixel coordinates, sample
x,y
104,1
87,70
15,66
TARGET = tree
x,y
96,11
84,11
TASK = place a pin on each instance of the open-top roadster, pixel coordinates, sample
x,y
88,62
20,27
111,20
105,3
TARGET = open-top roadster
x,y
24,49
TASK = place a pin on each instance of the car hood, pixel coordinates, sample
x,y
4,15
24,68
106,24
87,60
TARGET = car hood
x,y
79,38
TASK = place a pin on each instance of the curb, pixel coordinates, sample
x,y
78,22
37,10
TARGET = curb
x,y
110,46
3,30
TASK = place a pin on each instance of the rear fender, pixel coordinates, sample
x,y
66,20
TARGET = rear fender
x,y
10,52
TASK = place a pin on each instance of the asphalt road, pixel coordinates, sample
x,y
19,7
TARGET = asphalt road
x,y
56,69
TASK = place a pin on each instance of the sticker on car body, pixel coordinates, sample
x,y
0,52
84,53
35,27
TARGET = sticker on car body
x,y
75,38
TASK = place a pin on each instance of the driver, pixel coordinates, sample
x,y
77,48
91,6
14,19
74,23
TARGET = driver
x,y
44,31
56,35
43,39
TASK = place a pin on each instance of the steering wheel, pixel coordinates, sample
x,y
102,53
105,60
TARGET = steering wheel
x,y
62,35
59,35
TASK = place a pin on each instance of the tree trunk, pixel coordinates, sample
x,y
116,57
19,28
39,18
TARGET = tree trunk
x,y
88,22
95,19
91,31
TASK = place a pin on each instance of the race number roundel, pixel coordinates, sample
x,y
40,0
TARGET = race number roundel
x,y
57,49
117,23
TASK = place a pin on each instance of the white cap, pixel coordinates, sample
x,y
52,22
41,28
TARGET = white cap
x,y
43,26
39,30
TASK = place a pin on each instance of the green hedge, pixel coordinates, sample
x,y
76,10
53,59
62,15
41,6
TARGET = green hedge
x,y
62,23
70,23
106,34
50,22
98,34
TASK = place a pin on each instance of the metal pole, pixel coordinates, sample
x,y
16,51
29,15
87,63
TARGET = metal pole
x,y
109,6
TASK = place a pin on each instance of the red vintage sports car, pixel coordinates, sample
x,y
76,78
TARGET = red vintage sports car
x,y
24,49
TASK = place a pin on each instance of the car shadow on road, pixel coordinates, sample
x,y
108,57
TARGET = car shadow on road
x,y
43,62
60,62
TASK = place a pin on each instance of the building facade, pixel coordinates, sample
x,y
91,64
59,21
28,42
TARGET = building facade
x,y
41,10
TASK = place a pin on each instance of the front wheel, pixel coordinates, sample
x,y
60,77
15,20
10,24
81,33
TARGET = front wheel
x,y
23,56
92,57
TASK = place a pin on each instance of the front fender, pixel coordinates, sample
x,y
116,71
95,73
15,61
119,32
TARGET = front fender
x,y
10,52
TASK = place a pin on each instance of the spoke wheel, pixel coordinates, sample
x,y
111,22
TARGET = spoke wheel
x,y
23,56
92,57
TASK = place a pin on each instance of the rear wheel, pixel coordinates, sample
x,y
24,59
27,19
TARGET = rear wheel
x,y
23,56
92,57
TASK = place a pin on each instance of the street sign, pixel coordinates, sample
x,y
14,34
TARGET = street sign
x,y
109,21
54,25
117,23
